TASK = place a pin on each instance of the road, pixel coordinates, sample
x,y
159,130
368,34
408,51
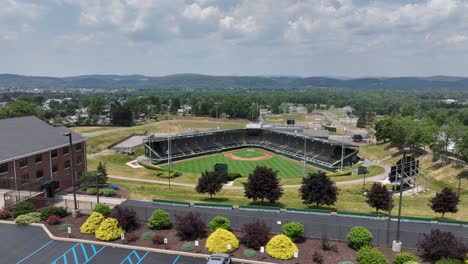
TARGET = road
x,y
334,226
18,247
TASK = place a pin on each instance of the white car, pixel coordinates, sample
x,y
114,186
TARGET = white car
x,y
219,259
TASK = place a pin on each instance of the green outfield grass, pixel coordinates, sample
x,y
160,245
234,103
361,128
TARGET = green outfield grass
x,y
248,153
285,167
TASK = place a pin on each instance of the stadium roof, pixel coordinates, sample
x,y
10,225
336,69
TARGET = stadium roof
x,y
24,136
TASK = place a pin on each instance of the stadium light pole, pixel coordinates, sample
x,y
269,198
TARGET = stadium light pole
x,y
169,163
75,212
305,162
389,215
402,172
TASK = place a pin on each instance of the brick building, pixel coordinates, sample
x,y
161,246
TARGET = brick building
x,y
33,153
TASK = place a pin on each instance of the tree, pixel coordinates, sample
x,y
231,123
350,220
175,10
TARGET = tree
x,y
461,146
319,189
102,168
121,115
88,179
21,108
210,182
445,201
263,184
379,197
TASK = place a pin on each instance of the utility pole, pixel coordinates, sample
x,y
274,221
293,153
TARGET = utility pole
x,y
76,211
397,243
305,152
169,163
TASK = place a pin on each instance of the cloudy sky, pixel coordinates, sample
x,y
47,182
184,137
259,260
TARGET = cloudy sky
x,y
228,37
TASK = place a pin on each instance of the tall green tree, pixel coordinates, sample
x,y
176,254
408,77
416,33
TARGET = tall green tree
x,y
318,189
263,184
210,182
21,108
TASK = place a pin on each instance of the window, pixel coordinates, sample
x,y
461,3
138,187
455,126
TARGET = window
x,y
79,159
53,153
24,178
39,173
38,158
3,168
78,146
65,150
54,168
66,164
23,163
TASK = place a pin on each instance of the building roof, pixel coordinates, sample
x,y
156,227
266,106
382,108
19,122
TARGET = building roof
x,y
25,136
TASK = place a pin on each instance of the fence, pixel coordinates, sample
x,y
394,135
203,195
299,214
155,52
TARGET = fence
x,y
86,207
312,229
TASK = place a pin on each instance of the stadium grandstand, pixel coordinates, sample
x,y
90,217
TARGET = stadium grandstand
x,y
318,152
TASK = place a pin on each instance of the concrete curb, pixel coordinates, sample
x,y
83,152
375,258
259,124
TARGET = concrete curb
x,y
114,245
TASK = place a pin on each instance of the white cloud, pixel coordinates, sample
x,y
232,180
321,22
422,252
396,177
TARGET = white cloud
x,y
8,36
77,39
240,25
194,11
15,9
457,40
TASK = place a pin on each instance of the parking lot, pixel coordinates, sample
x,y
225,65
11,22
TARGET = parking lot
x,y
29,244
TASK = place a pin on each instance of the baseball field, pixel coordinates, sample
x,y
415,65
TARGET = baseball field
x,y
243,162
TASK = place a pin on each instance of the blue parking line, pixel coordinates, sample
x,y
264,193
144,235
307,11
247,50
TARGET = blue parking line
x,y
37,250
134,253
175,260
95,252
75,255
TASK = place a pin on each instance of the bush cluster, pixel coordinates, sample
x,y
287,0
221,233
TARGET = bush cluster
x,y
439,244
294,230
219,222
53,210
281,247
318,258
190,226
402,258
130,237
53,220
109,230
103,209
126,217
92,223
159,220
22,208
91,191
157,240
188,246
64,227
219,240
5,213
255,234
233,175
29,218
147,235
370,255
358,237
449,261
108,192
250,253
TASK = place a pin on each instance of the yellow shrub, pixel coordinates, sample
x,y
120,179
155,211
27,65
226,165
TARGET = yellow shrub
x,y
109,230
281,247
218,240
92,223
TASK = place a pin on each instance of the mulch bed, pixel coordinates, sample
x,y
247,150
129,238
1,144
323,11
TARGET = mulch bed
x,y
307,247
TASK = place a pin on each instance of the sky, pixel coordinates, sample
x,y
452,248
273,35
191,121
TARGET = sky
x,y
349,38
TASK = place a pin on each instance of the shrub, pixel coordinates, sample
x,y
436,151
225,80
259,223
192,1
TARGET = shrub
x,y
326,245
109,230
22,208
131,237
370,255
53,220
250,253
412,262
53,210
439,244
219,222
147,235
449,261
294,230
126,217
402,258
358,237
190,226
255,234
317,258
64,227
159,220
157,240
218,241
103,209
188,246
26,219
281,247
107,192
5,213
91,191
92,223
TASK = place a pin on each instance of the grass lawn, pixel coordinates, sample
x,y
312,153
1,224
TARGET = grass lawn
x,y
285,167
89,129
376,151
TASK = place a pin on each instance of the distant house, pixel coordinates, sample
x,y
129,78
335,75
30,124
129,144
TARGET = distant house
x,y
184,110
264,111
33,153
297,109
450,101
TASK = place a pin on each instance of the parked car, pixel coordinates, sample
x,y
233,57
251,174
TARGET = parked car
x,y
219,259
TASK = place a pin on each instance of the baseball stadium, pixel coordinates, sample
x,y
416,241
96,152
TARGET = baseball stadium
x,y
244,149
